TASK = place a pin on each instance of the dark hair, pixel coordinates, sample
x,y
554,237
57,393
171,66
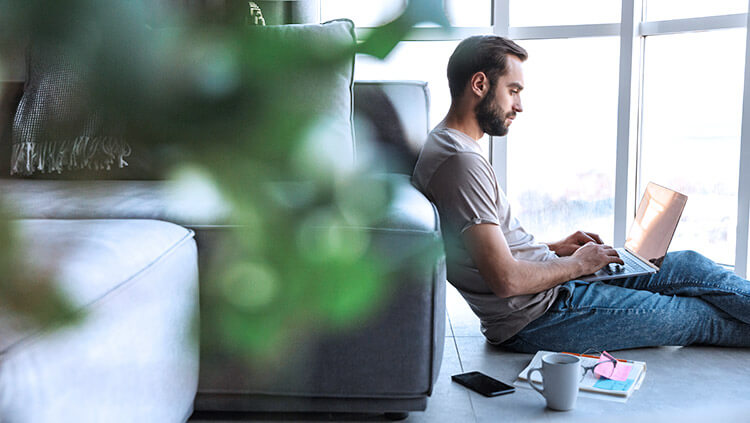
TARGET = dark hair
x,y
481,53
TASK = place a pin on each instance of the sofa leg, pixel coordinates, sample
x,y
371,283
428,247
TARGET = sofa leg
x,y
396,416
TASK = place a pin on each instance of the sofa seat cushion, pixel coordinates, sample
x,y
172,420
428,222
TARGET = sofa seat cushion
x,y
132,356
90,259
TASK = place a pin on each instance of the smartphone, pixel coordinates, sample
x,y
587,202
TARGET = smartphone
x,y
483,384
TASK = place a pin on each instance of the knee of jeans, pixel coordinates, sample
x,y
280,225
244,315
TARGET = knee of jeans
x,y
690,256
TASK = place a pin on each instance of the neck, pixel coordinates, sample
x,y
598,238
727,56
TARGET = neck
x,y
463,118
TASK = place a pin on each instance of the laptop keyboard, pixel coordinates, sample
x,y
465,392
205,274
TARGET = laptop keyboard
x,y
632,264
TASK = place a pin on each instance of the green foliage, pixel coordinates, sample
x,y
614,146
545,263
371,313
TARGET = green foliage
x,y
223,99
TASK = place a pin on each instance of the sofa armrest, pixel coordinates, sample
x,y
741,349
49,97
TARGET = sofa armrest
x,y
393,353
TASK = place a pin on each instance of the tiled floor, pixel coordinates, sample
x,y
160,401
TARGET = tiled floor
x,y
695,384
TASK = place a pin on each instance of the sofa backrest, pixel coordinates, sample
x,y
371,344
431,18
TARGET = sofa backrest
x,y
325,89
393,117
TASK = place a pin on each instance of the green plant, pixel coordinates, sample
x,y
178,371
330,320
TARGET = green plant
x,y
218,96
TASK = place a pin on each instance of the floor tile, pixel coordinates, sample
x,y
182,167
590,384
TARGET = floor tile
x,y
449,402
463,320
682,384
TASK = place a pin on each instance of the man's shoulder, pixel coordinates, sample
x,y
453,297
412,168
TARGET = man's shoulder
x,y
443,143
455,166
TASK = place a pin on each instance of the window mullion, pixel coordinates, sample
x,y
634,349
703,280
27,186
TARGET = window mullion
x,y
627,112
499,145
743,200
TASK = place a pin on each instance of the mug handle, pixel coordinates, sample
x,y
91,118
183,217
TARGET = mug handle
x,y
533,385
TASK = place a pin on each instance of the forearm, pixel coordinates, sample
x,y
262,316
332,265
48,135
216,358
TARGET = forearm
x,y
531,277
508,276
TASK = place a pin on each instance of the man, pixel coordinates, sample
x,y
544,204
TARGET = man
x,y
525,292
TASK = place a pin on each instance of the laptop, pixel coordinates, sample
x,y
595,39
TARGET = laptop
x,y
647,243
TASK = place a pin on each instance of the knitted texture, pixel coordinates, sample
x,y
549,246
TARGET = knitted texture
x,y
55,128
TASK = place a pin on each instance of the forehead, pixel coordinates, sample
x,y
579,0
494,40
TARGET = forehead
x,y
515,71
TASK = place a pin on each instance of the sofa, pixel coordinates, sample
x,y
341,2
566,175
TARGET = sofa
x,y
135,261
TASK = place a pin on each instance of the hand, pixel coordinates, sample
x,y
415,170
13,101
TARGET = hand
x,y
571,244
593,257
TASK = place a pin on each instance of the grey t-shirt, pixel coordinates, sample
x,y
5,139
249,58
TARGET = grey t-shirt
x,y
452,172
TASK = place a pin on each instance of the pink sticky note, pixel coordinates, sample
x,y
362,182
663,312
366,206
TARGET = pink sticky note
x,y
620,373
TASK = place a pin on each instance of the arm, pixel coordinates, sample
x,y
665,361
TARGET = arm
x,y
508,277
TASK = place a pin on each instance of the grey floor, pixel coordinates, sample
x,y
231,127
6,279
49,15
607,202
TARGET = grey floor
x,y
693,384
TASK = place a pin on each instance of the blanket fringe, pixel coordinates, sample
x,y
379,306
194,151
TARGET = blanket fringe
x,y
98,153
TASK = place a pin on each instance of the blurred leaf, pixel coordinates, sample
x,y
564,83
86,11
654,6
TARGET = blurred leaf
x,y
384,39
235,104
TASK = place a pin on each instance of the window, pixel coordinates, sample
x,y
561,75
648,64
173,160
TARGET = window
x,y
477,13
368,13
692,116
569,12
364,13
658,10
561,149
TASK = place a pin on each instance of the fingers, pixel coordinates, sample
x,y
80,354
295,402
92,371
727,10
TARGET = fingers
x,y
612,255
584,237
595,237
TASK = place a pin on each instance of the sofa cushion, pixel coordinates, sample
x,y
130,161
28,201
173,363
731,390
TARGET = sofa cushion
x,y
393,118
132,356
89,258
319,87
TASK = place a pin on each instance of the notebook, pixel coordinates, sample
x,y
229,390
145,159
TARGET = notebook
x,y
592,385
650,234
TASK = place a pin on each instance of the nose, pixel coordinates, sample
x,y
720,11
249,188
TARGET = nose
x,y
517,106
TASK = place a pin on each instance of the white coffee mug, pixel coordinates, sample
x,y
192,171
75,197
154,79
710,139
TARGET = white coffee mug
x,y
561,374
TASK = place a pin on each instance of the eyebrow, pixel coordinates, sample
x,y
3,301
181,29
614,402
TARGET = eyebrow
x,y
516,85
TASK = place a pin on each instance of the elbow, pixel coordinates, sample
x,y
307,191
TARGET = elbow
x,y
505,286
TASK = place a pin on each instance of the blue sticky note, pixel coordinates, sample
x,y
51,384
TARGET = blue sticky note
x,y
613,385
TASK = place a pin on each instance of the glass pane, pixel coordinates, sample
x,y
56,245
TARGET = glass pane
x,y
561,149
364,13
659,10
568,12
692,114
416,60
469,12
367,13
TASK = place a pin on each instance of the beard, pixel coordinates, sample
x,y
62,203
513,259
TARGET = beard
x,y
491,118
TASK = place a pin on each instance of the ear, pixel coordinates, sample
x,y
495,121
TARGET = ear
x,y
479,84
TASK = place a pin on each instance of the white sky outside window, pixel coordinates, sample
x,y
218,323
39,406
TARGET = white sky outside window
x,y
692,114
469,12
563,12
416,60
659,10
364,13
368,13
561,149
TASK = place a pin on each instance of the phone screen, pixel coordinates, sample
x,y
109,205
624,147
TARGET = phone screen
x,y
483,384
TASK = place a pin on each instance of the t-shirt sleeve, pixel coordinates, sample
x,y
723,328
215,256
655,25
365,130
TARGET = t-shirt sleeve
x,y
464,190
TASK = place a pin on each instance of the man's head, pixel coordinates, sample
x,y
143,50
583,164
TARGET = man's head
x,y
489,68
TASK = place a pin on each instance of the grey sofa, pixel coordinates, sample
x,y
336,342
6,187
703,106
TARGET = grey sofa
x,y
386,364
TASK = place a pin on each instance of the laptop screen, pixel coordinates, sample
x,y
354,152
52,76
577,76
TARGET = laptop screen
x,y
655,222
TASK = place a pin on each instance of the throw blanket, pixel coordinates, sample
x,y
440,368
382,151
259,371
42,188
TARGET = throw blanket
x,y
55,128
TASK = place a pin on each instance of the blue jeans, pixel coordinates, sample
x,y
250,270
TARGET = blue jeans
x,y
691,300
